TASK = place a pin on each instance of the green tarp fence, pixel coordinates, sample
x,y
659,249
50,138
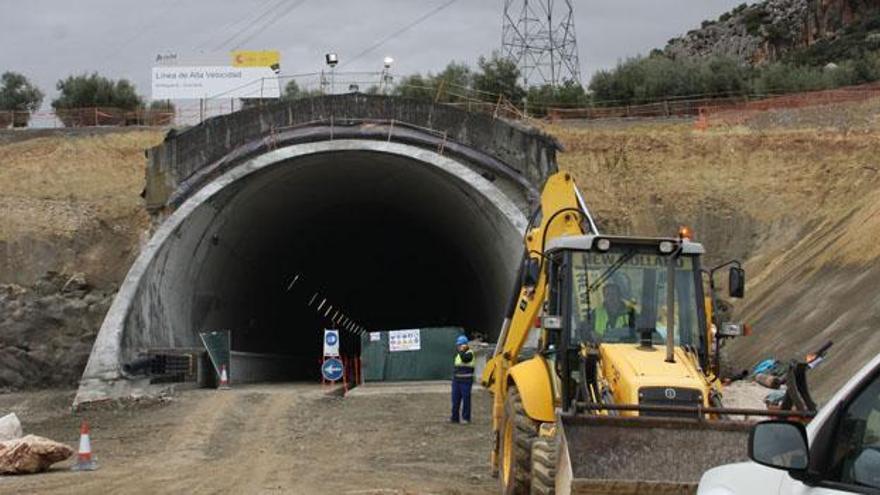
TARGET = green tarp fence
x,y
432,361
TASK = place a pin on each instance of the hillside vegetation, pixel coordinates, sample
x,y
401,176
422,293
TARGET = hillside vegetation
x,y
805,31
770,47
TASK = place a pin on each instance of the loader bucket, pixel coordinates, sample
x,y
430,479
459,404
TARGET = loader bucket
x,y
634,455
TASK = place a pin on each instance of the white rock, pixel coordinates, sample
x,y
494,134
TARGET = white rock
x,y
10,427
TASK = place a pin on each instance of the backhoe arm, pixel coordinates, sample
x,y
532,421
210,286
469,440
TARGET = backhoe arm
x,y
562,213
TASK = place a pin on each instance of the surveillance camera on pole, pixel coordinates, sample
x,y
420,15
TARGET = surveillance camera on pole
x,y
331,59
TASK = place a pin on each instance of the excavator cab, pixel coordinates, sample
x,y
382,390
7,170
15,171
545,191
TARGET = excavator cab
x,y
625,335
611,297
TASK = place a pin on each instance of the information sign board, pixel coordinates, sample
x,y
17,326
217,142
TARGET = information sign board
x,y
404,340
179,82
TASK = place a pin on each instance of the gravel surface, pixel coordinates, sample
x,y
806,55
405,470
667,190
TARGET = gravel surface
x,y
288,438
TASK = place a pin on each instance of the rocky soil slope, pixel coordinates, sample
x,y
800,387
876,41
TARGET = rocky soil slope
x,y
799,204
71,223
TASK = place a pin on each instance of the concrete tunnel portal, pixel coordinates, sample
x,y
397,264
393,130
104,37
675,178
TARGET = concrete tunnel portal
x,y
395,235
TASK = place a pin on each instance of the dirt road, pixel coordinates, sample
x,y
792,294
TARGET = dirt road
x,y
287,438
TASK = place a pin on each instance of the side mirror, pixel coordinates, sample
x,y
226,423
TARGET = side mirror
x,y
736,284
866,468
531,272
779,444
730,329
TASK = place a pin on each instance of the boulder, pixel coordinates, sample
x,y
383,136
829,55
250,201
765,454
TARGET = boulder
x,y
31,454
10,427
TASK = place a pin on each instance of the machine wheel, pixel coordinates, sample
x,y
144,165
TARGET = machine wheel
x,y
544,466
517,435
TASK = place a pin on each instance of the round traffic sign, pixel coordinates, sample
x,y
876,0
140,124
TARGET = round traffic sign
x,y
332,369
331,338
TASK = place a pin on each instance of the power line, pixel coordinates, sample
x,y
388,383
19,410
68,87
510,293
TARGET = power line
x,y
273,20
268,11
216,33
397,33
152,23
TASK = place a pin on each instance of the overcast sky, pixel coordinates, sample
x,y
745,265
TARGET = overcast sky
x,y
50,39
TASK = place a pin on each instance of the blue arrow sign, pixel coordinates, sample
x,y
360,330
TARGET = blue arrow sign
x,y
331,339
332,369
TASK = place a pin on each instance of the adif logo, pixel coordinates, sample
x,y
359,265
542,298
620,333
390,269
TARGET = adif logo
x,y
669,393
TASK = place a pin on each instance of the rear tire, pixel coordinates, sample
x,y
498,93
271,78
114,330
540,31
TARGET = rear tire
x,y
544,466
517,435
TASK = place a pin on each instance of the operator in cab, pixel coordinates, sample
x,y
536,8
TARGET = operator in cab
x,y
462,381
616,310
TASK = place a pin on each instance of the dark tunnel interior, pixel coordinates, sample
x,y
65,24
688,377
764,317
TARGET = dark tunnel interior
x,y
390,241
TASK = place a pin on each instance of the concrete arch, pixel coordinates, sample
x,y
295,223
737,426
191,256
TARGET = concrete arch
x,y
399,233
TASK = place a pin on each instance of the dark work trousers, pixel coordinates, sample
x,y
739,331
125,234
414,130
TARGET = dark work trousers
x,y
461,399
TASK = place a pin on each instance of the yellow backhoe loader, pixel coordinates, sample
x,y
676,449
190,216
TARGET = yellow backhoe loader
x,y
618,391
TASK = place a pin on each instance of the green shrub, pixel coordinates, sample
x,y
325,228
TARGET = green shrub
x,y
641,80
18,94
754,18
161,106
87,91
498,76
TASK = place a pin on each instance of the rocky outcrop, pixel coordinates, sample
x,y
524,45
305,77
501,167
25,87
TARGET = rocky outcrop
x,y
765,31
47,330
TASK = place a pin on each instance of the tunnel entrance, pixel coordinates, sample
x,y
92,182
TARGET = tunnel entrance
x,y
393,235
386,241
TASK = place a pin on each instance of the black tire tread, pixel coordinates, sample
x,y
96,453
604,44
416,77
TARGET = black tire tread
x,y
525,432
543,467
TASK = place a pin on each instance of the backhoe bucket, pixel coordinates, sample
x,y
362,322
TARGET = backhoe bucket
x,y
634,455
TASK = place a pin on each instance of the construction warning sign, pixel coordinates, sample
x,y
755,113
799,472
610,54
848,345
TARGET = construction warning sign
x,y
404,340
255,58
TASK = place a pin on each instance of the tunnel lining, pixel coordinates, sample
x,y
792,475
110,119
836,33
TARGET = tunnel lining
x,y
102,377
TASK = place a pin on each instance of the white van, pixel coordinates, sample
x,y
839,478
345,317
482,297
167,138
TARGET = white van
x,y
838,452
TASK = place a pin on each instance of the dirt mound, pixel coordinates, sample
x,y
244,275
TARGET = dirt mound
x,y
800,206
71,203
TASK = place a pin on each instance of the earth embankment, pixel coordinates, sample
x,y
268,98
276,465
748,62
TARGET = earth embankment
x,y
799,204
71,223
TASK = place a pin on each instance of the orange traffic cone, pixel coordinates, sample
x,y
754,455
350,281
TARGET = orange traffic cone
x,y
84,460
224,378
